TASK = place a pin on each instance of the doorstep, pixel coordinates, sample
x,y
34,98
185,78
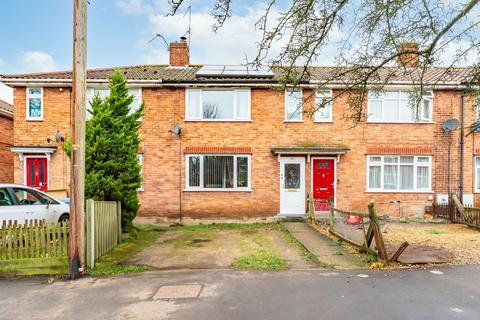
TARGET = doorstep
x,y
290,217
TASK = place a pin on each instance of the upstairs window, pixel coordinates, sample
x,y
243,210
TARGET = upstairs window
x,y
293,106
395,106
104,93
34,103
217,105
399,173
218,172
323,106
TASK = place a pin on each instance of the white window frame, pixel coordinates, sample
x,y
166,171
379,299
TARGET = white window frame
x,y
234,119
90,93
201,188
287,118
477,178
380,96
317,97
140,162
415,164
36,96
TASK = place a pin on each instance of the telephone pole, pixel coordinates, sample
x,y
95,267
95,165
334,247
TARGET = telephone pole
x,y
77,188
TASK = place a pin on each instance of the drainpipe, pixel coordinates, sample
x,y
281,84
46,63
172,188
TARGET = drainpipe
x,y
462,138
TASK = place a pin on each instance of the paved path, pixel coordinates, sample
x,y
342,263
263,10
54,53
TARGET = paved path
x,y
303,294
327,251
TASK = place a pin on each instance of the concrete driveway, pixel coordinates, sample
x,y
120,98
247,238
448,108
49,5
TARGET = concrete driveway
x,y
451,293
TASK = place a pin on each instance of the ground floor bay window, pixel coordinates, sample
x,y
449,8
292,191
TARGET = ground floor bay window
x,y
218,172
399,173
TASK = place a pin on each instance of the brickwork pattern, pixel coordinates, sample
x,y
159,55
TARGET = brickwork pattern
x,y
6,156
164,153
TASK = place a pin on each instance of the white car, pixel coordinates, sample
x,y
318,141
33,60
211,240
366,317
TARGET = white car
x,y
20,203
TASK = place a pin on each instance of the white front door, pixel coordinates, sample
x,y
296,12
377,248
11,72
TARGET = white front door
x,y
292,186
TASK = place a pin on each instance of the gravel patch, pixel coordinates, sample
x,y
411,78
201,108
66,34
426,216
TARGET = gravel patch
x,y
461,241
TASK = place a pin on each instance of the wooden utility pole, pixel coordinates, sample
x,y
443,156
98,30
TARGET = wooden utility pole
x,y
77,187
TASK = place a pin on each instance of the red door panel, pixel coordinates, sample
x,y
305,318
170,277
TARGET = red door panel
x,y
323,183
37,175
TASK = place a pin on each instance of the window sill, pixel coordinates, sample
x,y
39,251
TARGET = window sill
x,y
217,120
140,190
217,190
34,119
400,122
293,121
323,121
399,191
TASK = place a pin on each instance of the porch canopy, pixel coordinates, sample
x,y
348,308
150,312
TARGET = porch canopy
x,y
310,151
25,150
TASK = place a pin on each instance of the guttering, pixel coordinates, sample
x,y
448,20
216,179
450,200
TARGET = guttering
x,y
6,113
392,84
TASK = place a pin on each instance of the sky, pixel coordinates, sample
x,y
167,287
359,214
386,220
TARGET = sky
x,y
118,33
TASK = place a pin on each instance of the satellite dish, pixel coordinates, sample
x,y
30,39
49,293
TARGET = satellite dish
x,y
177,130
450,125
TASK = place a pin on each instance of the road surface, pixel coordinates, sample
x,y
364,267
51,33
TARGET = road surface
x,y
444,293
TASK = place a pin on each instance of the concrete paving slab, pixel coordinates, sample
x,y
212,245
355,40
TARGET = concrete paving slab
x,y
327,251
178,292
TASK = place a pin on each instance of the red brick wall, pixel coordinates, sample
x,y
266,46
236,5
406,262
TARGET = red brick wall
x,y
6,156
56,116
164,153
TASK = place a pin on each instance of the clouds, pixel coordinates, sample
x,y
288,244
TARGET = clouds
x,y
232,44
35,61
2,62
130,6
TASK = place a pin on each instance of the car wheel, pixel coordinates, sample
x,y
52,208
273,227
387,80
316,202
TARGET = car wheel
x,y
64,218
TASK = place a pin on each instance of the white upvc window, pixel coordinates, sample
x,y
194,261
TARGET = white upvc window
x,y
34,104
323,106
140,163
217,104
293,105
105,92
396,106
218,172
392,173
477,174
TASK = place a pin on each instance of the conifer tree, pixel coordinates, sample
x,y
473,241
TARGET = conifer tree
x,y
112,139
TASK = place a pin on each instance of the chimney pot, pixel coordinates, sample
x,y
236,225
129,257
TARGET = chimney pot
x,y
179,53
410,57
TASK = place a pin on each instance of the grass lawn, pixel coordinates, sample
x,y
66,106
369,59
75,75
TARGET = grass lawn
x,y
37,266
112,262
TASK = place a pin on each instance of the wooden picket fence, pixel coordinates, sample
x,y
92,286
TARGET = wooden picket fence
x,y
103,228
34,239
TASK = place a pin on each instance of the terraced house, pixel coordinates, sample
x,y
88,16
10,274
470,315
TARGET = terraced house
x,y
224,141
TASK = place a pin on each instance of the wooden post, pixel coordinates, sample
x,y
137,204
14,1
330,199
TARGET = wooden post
x,y
377,233
90,252
119,221
76,243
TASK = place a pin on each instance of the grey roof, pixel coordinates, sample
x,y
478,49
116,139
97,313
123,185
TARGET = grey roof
x,y
169,74
6,108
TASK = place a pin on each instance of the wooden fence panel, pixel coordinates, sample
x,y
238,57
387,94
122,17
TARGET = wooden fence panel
x,y
103,229
32,240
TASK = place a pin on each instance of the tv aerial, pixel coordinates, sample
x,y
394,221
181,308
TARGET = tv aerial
x,y
158,35
450,125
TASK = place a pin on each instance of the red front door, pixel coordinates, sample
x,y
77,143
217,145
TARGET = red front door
x,y
323,183
37,176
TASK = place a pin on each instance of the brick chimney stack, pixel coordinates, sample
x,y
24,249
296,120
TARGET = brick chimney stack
x,y
179,55
408,59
